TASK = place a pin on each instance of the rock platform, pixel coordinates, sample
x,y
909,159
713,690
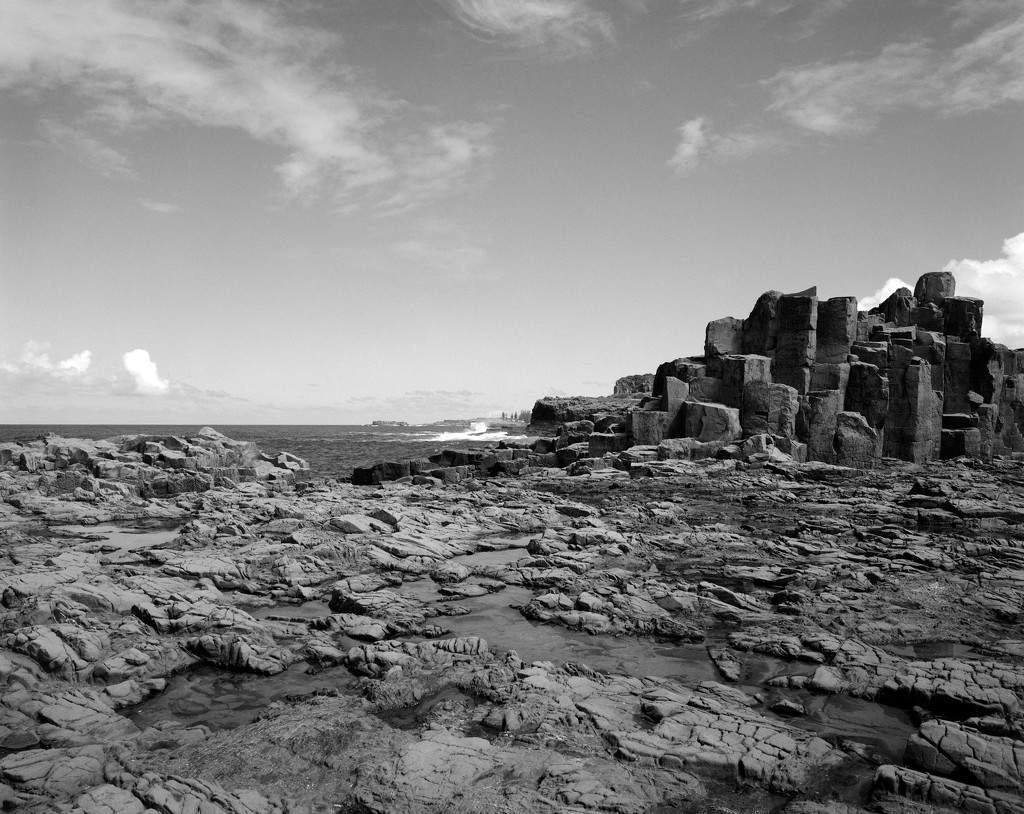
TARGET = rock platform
x,y
805,637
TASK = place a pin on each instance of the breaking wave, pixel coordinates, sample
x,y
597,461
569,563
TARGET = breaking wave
x,y
478,431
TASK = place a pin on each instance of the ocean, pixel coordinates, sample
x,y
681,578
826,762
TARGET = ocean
x,y
331,450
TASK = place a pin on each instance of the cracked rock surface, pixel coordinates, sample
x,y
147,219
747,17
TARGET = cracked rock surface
x,y
686,636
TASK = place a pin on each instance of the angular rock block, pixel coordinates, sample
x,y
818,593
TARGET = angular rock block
x,y
963,316
914,422
957,443
648,427
837,329
991,441
830,376
796,345
897,307
684,369
867,393
867,323
857,443
797,450
956,377
674,393
738,371
928,318
712,422
931,346
705,389
934,288
796,348
769,408
761,328
721,338
799,378
817,422
874,353
601,443
960,421
687,449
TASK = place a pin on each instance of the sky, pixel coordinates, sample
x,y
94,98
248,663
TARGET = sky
x,y
335,211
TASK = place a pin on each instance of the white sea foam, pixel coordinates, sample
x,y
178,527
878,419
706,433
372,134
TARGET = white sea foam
x,y
478,432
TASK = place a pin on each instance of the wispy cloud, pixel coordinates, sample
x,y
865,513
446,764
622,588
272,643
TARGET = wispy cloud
x,y
700,144
230,64
160,207
975,63
808,14
693,141
984,70
1000,283
563,28
444,249
86,149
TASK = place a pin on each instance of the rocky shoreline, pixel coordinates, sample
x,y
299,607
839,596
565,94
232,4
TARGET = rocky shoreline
x,y
695,635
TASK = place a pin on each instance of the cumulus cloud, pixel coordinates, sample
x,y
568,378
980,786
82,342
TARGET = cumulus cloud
x,y
564,28
1000,283
143,369
228,64
880,296
77,364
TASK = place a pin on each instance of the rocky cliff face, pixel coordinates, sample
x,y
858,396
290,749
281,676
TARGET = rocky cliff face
x,y
819,380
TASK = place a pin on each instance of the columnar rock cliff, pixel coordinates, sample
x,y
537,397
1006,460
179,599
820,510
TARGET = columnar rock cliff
x,y
819,380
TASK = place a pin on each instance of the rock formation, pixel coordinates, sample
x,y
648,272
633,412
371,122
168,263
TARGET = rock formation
x,y
818,380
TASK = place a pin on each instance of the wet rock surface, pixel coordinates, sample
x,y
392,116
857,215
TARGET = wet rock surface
x,y
681,635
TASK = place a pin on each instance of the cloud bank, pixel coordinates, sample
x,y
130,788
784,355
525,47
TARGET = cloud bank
x,y
233,64
35,361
